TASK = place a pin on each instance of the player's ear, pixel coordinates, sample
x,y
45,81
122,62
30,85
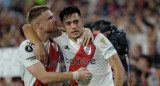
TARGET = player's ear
x,y
37,25
82,20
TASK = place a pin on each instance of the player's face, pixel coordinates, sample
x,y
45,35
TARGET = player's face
x,y
48,21
73,25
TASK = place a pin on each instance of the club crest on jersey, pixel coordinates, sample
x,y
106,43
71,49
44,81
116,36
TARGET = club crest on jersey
x,y
28,48
103,40
87,49
55,46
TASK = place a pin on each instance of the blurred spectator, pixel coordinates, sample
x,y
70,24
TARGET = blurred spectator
x,y
136,53
2,82
155,57
6,3
134,79
157,30
16,81
147,73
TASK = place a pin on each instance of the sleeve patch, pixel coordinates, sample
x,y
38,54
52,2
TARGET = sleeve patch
x,y
103,40
31,58
111,48
28,48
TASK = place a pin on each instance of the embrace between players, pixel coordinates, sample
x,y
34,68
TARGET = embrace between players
x,y
88,62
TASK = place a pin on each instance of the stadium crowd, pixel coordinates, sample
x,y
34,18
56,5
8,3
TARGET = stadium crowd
x,y
140,19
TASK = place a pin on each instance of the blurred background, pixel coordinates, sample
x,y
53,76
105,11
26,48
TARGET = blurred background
x,y
140,19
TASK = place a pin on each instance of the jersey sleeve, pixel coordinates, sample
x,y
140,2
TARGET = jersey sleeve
x,y
26,54
105,46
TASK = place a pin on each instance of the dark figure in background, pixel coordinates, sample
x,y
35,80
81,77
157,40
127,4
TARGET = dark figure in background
x,y
117,38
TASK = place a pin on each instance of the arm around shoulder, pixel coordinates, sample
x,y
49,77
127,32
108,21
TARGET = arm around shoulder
x,y
45,77
38,71
36,68
30,33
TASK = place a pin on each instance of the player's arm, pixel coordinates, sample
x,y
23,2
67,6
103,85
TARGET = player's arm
x,y
119,72
87,36
32,36
39,50
111,56
45,77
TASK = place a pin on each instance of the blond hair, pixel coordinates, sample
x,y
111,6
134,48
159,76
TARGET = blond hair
x,y
36,12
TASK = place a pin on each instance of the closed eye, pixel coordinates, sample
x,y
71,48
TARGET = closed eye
x,y
50,17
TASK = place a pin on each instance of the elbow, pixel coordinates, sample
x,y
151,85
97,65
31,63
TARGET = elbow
x,y
45,82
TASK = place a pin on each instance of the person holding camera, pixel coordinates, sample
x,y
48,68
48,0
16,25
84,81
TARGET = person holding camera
x,y
117,38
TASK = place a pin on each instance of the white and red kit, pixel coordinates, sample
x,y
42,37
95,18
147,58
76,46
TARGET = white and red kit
x,y
93,57
27,58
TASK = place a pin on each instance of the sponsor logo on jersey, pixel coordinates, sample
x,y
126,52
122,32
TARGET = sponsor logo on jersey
x,y
28,48
87,49
55,46
31,58
52,63
66,47
80,61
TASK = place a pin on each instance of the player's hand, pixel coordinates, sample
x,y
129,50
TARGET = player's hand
x,y
40,52
26,26
84,76
86,36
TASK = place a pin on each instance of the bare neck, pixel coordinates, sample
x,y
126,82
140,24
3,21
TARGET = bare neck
x,y
74,40
43,36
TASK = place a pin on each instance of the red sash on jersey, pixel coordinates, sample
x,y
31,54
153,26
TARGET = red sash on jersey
x,y
83,56
22,83
52,62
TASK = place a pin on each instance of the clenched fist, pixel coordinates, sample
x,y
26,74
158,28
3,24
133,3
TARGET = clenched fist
x,y
84,76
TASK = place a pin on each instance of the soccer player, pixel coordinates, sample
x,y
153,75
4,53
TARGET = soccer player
x,y
98,57
35,73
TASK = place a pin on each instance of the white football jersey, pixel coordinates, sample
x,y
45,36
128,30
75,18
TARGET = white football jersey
x,y
93,57
27,58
